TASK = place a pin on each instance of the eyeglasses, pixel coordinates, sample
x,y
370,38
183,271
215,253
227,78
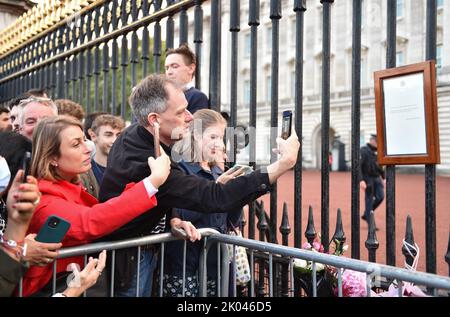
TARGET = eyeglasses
x,y
43,100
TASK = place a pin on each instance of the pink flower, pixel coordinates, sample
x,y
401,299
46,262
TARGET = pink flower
x,y
353,284
316,245
307,246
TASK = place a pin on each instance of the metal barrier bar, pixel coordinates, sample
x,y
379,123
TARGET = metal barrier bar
x,y
314,278
113,267
184,267
339,282
161,273
270,275
218,267
138,270
419,278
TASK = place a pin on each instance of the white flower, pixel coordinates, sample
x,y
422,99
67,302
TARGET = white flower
x,y
300,263
320,267
344,248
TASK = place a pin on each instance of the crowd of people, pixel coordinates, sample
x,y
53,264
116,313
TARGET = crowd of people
x,y
108,182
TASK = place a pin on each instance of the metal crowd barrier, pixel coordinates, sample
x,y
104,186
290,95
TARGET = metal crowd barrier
x,y
210,236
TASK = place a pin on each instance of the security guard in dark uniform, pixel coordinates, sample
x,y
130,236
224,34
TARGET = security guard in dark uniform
x,y
372,177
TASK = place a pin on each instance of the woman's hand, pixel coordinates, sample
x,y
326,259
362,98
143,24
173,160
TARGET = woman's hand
x,y
21,203
192,233
160,168
87,277
39,253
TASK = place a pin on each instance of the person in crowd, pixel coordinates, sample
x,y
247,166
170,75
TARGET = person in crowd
x,y
59,156
70,108
159,105
88,120
20,205
104,132
13,147
372,177
31,111
5,123
180,67
202,154
14,108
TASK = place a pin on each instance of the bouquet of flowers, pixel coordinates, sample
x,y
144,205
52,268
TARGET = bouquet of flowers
x,y
325,275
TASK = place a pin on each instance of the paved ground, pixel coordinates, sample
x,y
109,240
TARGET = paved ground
x,y
410,199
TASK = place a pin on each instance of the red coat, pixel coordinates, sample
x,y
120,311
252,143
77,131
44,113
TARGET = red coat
x,y
88,219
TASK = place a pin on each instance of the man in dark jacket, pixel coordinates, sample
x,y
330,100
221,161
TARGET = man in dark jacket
x,y
372,177
157,101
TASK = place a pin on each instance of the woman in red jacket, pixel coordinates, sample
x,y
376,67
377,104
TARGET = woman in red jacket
x,y
59,155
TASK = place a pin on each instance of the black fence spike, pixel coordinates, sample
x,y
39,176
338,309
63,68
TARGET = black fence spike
x,y
310,232
339,237
262,223
285,229
372,243
409,238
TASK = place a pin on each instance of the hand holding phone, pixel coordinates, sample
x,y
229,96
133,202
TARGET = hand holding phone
x,y
245,169
54,230
286,127
26,166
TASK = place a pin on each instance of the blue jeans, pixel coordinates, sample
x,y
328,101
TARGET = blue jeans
x,y
374,195
148,262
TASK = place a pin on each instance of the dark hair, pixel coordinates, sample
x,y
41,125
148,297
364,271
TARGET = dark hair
x,y
185,51
150,95
32,92
88,120
4,109
13,147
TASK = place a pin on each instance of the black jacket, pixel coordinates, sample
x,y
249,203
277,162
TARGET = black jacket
x,y
369,166
127,162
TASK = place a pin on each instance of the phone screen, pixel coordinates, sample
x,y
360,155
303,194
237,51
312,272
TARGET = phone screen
x,y
286,124
156,137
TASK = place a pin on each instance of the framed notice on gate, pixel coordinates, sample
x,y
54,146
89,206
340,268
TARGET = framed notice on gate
x,y
407,117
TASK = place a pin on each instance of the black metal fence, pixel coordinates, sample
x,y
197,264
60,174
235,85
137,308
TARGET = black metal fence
x,y
89,55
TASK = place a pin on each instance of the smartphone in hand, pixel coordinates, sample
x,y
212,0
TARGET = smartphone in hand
x,y
54,230
286,126
26,161
246,169
156,138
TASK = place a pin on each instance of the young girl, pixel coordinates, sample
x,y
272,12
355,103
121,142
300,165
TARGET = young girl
x,y
202,156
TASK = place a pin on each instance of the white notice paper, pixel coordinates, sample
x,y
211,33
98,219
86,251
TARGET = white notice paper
x,y
404,113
